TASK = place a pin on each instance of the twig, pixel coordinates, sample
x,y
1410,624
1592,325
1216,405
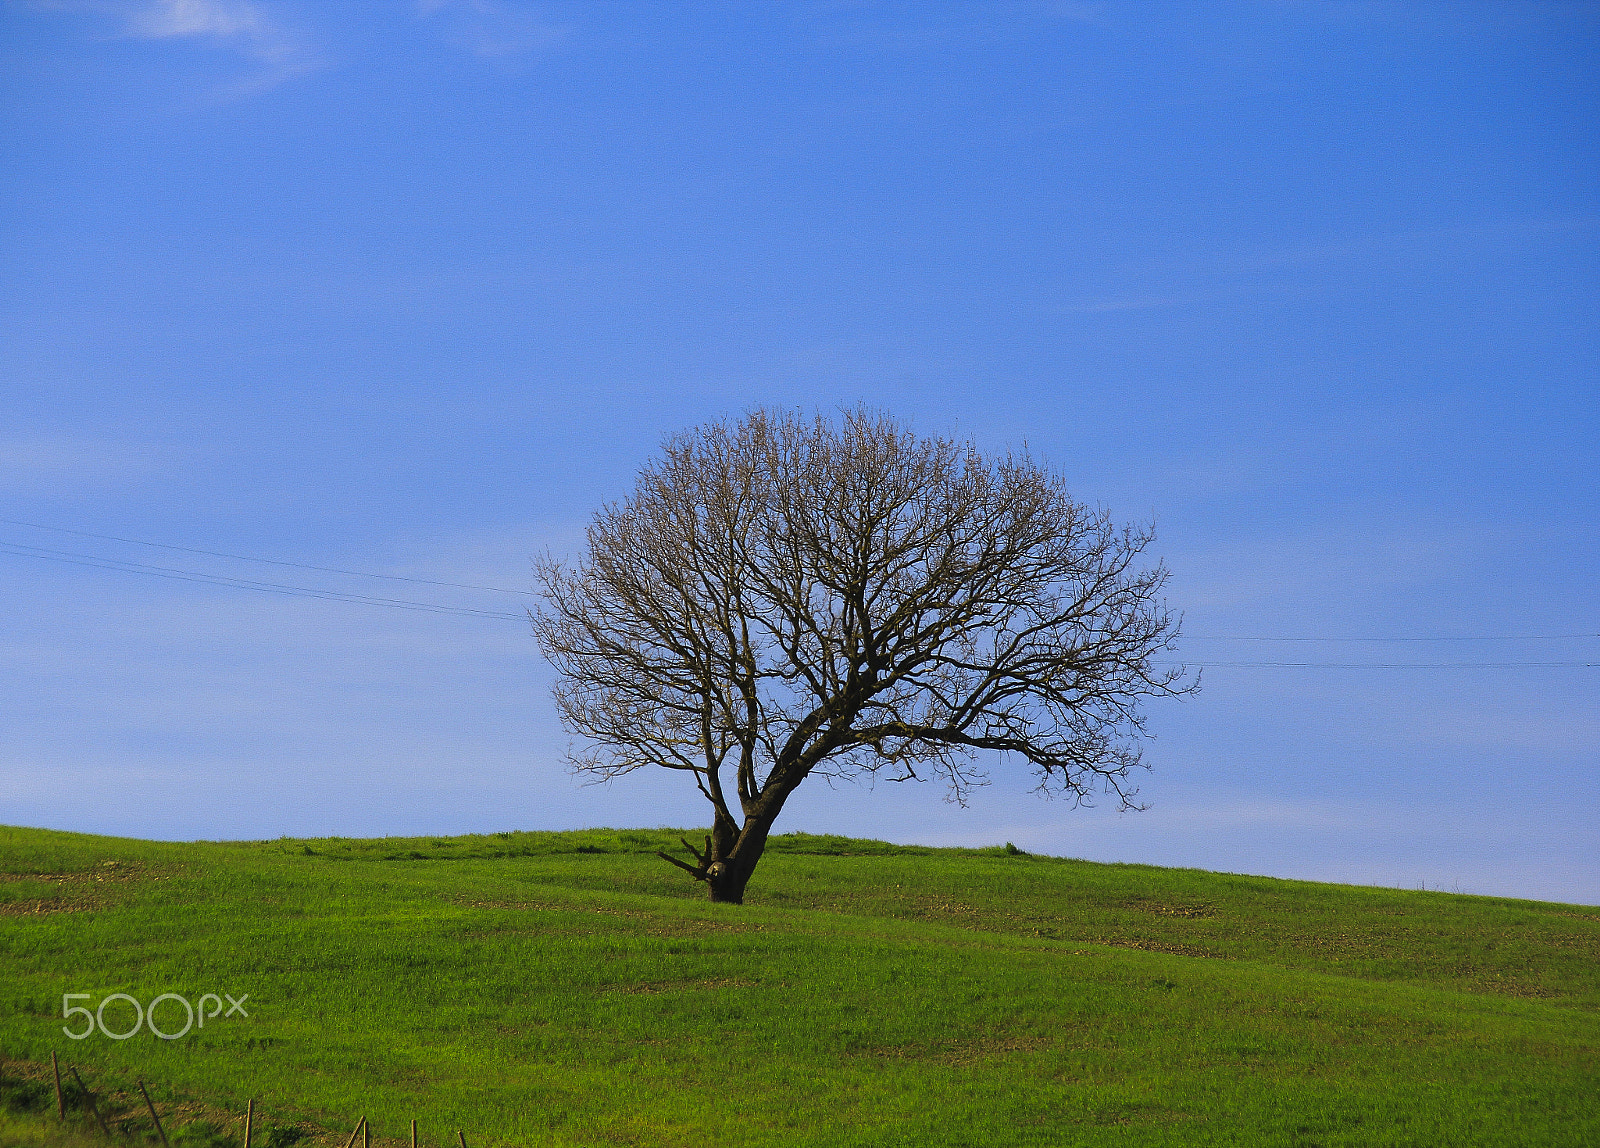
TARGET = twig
x,y
160,1131
249,1118
697,874
94,1108
356,1131
413,1134
461,1136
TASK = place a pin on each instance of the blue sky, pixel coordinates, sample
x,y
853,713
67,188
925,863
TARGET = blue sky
x,y
411,288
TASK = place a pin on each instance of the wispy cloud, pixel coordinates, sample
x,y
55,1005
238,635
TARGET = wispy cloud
x,y
250,714
1417,245
916,27
1112,306
1188,277
62,464
1336,571
493,29
243,27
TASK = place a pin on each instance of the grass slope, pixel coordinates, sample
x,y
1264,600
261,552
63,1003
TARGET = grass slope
x,y
572,989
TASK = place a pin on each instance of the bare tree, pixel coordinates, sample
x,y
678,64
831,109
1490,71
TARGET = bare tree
x,y
784,597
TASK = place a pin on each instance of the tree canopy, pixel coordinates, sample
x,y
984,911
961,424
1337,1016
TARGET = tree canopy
x,y
782,597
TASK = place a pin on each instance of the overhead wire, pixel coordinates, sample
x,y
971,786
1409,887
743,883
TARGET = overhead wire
x,y
1449,638
268,561
1391,665
128,566
19,551
1396,665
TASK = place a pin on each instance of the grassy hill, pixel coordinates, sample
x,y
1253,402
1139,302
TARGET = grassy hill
x,y
572,989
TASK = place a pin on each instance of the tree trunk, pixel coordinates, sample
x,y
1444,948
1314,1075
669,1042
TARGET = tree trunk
x,y
729,873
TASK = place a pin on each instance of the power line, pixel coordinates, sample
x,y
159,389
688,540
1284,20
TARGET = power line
x,y
269,561
1471,638
1393,665
18,551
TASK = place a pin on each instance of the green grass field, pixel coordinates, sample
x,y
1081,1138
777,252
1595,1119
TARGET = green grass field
x,y
570,988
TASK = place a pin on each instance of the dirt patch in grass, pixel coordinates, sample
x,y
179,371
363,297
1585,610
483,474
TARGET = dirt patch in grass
x,y
650,988
655,925
28,1089
78,890
964,1052
1145,945
1194,910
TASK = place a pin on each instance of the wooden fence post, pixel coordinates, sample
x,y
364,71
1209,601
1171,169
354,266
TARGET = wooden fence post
x,y
93,1107
161,1132
61,1105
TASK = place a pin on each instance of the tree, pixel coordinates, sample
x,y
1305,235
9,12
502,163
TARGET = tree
x,y
783,597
